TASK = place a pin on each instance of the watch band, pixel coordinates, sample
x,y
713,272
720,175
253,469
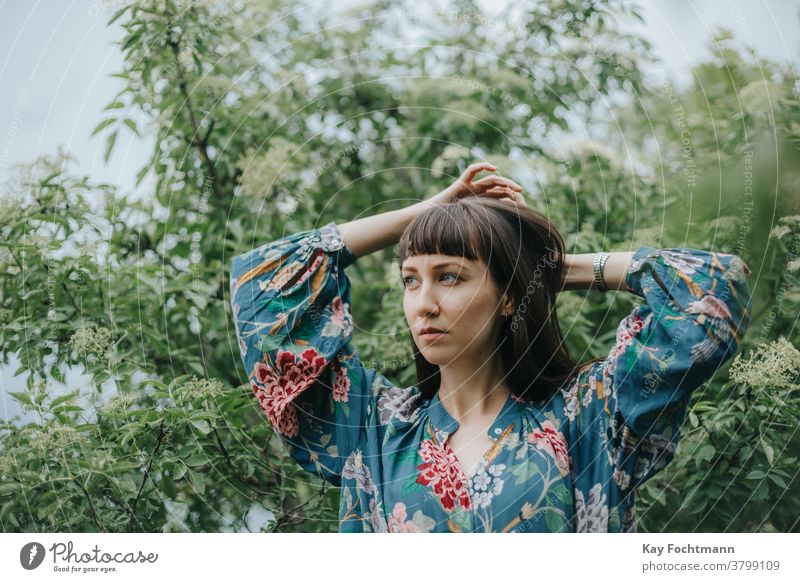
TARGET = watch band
x,y
598,264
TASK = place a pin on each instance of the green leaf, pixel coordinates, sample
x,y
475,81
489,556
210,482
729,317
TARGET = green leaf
x,y
150,416
110,141
124,467
756,474
127,436
769,451
9,488
116,17
706,452
197,367
22,397
103,124
198,481
132,38
57,375
693,420
141,174
132,125
65,398
761,491
167,486
197,460
67,408
202,426
777,479
180,471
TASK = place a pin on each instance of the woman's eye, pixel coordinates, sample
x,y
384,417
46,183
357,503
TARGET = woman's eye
x,y
406,280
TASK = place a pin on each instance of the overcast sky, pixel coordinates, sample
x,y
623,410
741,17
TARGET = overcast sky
x,y
56,58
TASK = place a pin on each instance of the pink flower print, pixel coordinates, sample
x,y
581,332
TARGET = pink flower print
x,y
339,315
276,389
626,332
442,473
633,325
397,520
554,443
341,384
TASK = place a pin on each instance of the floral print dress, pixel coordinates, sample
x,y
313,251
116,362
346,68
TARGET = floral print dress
x,y
568,466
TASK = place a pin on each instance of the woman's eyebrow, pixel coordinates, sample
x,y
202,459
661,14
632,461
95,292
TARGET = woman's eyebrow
x,y
437,266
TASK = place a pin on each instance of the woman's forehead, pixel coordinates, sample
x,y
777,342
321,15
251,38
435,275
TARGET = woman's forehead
x,y
435,261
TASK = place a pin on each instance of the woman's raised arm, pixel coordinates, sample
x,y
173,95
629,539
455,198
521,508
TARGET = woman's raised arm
x,y
579,274
625,412
367,235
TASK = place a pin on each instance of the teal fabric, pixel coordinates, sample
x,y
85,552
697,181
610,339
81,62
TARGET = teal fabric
x,y
568,466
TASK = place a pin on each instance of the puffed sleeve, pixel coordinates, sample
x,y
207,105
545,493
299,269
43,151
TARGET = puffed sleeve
x,y
291,304
626,411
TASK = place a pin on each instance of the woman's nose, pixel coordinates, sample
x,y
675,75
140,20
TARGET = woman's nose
x,y
427,301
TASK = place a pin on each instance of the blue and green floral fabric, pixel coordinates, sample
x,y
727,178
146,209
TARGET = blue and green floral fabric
x,y
568,466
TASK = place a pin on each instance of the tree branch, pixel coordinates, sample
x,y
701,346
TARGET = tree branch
x,y
91,506
200,143
161,434
229,462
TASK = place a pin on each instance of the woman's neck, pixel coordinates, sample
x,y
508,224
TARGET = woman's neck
x,y
468,394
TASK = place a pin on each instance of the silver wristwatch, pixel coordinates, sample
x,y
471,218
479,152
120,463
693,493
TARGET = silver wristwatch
x,y
598,264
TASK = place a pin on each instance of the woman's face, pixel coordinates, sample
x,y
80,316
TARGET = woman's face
x,y
457,295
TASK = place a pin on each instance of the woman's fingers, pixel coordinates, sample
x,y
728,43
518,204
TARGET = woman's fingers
x,y
474,169
520,199
500,191
513,185
490,181
506,194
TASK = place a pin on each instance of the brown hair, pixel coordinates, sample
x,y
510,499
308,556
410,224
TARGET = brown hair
x,y
524,255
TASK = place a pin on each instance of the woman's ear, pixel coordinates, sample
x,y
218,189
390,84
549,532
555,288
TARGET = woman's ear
x,y
507,306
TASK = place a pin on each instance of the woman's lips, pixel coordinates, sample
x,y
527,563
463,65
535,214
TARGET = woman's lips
x,y
430,336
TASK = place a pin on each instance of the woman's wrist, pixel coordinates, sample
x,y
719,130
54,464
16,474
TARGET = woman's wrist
x,y
578,271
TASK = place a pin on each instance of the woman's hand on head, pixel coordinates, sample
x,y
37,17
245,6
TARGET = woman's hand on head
x,y
490,186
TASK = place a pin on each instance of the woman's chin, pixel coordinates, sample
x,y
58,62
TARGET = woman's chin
x,y
435,356
438,356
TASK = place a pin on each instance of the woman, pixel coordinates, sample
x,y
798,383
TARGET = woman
x,y
502,432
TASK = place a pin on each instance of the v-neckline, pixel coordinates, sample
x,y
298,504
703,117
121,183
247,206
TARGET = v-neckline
x,y
443,425
486,458
444,421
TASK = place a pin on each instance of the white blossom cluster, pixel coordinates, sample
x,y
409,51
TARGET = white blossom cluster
x,y
773,364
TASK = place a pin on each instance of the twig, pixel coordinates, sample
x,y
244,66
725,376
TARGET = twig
x,y
201,143
161,433
91,505
71,298
229,462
